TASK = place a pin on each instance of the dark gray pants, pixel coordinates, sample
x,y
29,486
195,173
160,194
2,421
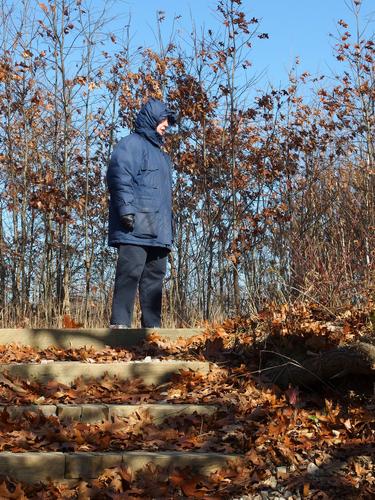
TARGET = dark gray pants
x,y
143,267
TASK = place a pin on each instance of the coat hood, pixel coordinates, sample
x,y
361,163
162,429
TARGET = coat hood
x,y
150,115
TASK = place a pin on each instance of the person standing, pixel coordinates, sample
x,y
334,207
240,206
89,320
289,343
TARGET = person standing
x,y
139,179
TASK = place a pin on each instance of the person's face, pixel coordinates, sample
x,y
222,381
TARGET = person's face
x,y
162,127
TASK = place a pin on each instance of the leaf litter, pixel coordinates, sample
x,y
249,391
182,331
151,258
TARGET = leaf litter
x,y
316,443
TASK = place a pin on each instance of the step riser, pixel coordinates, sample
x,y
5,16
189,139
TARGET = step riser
x,y
99,338
67,371
92,414
32,467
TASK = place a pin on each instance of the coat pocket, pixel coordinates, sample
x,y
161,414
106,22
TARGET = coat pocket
x,y
145,225
148,177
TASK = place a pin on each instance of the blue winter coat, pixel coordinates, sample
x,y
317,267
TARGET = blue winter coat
x,y
139,179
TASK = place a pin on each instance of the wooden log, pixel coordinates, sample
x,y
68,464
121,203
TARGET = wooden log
x,y
355,359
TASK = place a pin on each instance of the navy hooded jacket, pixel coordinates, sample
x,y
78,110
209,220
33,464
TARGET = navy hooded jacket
x,y
139,179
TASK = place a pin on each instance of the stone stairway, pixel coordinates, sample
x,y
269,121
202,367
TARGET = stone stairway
x,y
34,466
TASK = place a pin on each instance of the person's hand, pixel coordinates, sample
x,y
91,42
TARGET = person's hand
x,y
127,221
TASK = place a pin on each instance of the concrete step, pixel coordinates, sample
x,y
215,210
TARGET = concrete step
x,y
94,413
96,337
33,467
154,372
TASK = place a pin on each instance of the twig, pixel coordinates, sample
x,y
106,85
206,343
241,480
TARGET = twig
x,y
312,298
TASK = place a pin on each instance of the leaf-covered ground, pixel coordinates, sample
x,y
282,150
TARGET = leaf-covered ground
x,y
299,326
316,442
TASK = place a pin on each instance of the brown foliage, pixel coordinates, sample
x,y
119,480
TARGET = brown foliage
x,y
274,194
283,434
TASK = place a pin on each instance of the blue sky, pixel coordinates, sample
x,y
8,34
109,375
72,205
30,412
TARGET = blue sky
x,y
296,28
